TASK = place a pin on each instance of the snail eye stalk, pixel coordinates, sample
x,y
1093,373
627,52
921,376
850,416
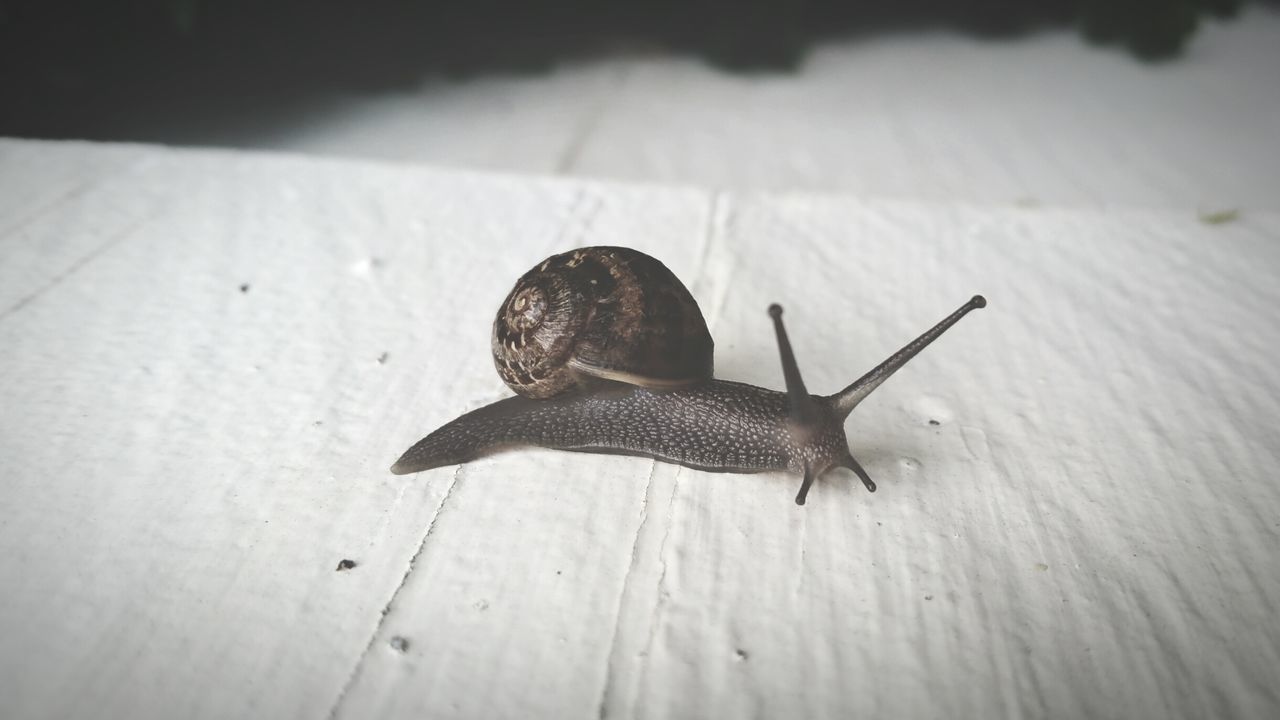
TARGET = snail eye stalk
x,y
846,400
804,412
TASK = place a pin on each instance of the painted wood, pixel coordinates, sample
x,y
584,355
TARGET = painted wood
x,y
208,360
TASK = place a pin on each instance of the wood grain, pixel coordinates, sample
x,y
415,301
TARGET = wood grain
x,y
1076,514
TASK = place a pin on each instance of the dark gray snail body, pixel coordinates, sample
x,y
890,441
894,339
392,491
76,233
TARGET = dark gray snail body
x,y
695,421
719,425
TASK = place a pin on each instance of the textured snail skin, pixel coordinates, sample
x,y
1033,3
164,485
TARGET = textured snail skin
x,y
720,425
715,425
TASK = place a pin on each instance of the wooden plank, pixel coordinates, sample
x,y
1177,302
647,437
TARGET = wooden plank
x,y
199,422
1075,514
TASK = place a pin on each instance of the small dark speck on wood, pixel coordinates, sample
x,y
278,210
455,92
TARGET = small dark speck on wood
x,y
399,644
345,564
244,287
1220,217
934,422
382,359
741,654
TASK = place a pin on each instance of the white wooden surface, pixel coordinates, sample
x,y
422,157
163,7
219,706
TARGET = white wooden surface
x,y
1088,530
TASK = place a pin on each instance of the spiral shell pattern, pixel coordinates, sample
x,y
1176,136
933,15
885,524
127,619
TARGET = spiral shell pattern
x,y
600,314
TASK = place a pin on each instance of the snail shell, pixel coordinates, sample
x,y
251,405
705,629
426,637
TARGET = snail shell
x,y
599,314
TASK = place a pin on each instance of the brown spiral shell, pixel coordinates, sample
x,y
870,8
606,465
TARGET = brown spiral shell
x,y
600,314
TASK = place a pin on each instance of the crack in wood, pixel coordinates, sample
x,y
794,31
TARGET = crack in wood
x,y
76,189
386,609
76,266
582,134
606,691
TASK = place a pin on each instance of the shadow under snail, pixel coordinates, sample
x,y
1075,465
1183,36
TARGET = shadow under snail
x,y
609,353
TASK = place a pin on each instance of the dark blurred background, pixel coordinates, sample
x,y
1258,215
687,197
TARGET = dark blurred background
x,y
95,68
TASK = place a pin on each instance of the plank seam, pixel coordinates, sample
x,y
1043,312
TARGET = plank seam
x,y
386,609
626,585
587,128
662,578
75,267
77,189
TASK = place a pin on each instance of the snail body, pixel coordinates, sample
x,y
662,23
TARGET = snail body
x,y
682,416
719,426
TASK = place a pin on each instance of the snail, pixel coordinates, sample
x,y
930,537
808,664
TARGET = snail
x,y
609,353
